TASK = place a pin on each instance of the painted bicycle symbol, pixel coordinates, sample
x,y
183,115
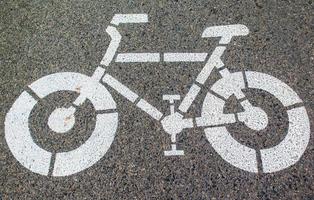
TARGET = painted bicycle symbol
x,y
212,119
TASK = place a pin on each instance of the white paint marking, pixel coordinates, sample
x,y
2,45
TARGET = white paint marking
x,y
129,18
224,72
80,83
67,163
138,57
253,117
212,112
274,86
226,32
98,73
189,98
290,150
283,155
62,120
213,61
113,45
230,84
184,57
171,97
174,151
174,124
119,87
19,138
37,159
149,109
230,150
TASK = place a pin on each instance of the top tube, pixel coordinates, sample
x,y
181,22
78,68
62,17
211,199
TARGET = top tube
x,y
160,57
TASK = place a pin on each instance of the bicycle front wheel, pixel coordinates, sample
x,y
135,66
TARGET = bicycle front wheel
x,y
36,159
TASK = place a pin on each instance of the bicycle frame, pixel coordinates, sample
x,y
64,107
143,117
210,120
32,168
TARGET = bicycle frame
x,y
214,61
173,123
212,118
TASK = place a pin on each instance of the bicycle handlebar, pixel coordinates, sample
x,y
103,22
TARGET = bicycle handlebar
x,y
115,35
129,18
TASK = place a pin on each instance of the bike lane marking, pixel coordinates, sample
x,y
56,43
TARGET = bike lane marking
x,y
19,138
231,150
129,18
290,150
149,109
119,87
184,57
67,163
231,83
138,57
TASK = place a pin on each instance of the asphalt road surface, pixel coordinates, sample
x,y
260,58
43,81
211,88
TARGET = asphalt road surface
x,y
39,38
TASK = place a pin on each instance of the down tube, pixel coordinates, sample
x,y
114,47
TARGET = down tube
x,y
132,96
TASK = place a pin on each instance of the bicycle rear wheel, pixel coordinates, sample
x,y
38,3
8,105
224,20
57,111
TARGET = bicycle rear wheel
x,y
275,158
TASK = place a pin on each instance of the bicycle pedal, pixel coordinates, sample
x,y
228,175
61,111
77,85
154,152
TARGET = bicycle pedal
x,y
174,153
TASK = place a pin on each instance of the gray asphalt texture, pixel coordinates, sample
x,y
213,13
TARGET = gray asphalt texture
x,y
38,38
